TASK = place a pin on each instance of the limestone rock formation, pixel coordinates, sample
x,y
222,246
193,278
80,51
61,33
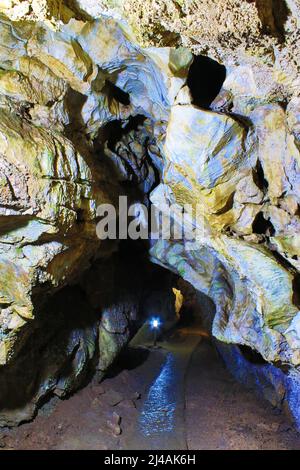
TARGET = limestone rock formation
x,y
61,89
213,162
88,114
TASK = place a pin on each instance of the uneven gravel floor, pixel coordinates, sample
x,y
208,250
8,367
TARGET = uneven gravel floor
x,y
86,420
220,413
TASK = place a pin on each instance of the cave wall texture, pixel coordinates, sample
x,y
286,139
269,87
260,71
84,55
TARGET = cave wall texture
x,y
95,103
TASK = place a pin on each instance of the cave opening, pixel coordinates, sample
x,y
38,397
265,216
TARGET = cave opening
x,y
205,79
262,226
112,327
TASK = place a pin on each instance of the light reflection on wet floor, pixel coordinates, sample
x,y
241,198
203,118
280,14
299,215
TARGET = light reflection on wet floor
x,y
158,412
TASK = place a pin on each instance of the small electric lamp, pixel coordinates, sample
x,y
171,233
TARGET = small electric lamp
x,y
155,324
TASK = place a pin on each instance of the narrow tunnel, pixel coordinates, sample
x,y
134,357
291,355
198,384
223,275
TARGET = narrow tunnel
x,y
149,248
205,79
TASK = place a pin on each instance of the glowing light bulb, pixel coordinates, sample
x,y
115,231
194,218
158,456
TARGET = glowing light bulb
x,y
155,323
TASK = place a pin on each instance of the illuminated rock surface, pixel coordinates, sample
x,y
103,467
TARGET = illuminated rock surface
x,y
87,115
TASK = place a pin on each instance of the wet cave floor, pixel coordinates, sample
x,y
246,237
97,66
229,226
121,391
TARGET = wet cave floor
x,y
178,396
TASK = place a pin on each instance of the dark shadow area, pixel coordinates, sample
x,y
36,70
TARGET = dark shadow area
x,y
114,92
228,206
112,132
186,316
132,164
262,226
128,359
74,101
205,80
12,222
273,15
61,354
259,177
296,277
252,356
64,329
296,290
281,14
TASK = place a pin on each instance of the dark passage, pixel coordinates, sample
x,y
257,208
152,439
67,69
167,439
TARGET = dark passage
x,y
114,92
205,80
262,226
252,356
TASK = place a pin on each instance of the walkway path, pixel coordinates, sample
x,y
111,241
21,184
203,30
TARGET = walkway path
x,y
188,400
195,403
161,423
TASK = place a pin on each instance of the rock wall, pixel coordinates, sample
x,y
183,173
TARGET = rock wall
x,y
72,100
88,114
280,388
